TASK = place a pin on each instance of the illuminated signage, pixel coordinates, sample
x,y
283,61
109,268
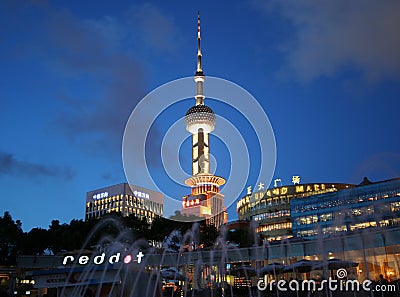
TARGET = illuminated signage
x,y
192,202
249,190
106,195
279,191
276,181
261,186
100,195
100,259
141,194
295,179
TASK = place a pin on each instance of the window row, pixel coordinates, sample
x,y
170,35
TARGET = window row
x,y
278,226
272,215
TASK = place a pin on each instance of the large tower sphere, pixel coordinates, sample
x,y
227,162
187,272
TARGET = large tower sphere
x,y
200,117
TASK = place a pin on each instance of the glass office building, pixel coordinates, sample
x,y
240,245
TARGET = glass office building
x,y
271,210
369,205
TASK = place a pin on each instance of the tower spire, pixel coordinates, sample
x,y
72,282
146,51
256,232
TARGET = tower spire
x,y
199,76
199,71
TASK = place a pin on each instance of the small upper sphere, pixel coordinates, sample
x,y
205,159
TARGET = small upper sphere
x,y
200,117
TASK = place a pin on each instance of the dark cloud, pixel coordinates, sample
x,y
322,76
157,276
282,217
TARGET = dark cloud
x,y
330,36
99,66
105,51
91,49
9,165
114,176
106,176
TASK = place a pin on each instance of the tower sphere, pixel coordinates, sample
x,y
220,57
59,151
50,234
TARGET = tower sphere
x,y
200,117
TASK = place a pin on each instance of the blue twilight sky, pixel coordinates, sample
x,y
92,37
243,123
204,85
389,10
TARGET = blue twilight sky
x,y
326,73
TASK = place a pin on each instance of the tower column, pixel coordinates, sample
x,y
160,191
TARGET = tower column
x,y
201,151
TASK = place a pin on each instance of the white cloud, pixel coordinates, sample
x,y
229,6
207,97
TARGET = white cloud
x,y
333,35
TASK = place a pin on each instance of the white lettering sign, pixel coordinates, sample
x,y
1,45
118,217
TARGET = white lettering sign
x,y
295,179
100,259
249,190
141,195
100,195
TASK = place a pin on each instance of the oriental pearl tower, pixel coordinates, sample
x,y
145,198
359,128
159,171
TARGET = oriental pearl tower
x,y
205,201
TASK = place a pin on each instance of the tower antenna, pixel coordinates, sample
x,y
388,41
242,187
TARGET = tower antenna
x,y
199,70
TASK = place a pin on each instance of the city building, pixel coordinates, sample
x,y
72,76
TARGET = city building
x,y
270,208
125,199
323,221
369,205
205,200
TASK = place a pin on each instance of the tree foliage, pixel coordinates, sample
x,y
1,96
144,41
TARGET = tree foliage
x,y
208,234
242,237
79,234
10,239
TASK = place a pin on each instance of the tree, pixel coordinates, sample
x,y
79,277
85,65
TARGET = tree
x,y
35,242
178,216
208,234
79,234
56,236
173,242
162,227
10,237
240,236
139,226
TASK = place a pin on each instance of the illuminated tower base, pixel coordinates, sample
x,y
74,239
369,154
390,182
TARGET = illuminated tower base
x,y
205,201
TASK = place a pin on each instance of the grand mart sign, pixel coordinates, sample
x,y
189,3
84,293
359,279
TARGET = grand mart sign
x,y
292,190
